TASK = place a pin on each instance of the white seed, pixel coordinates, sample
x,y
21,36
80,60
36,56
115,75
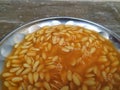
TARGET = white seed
x,y
8,64
17,79
31,53
19,71
117,76
113,70
84,87
49,46
26,71
28,60
14,69
65,50
29,87
89,75
13,57
90,82
54,40
24,86
69,75
74,62
12,83
76,79
35,65
44,55
35,77
51,67
84,39
42,75
92,50
16,61
102,59
55,58
69,47
47,86
6,83
65,88
106,88
115,63
104,74
26,65
61,42
47,77
38,84
40,67
30,78
7,74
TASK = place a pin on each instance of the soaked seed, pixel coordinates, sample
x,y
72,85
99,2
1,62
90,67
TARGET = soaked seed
x,y
28,60
103,59
65,50
12,83
84,87
14,69
30,78
55,58
29,87
19,71
42,75
47,86
17,79
47,77
13,57
51,67
61,42
76,79
84,39
6,83
69,47
54,40
7,74
92,50
113,70
35,76
35,65
16,61
54,87
44,55
65,88
31,53
117,76
40,67
104,74
8,64
69,75
26,65
89,75
24,86
38,84
106,88
115,63
90,82
74,62
26,71
49,46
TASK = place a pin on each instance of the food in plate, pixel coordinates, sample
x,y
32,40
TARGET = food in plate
x,y
62,57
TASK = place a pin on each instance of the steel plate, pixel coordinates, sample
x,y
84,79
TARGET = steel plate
x,y
7,43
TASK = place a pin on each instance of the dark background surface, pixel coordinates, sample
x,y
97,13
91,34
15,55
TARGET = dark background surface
x,y
14,13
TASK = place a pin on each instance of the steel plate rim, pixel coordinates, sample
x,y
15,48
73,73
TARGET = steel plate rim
x,y
52,18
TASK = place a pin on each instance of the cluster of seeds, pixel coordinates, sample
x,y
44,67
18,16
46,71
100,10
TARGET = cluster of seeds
x,y
62,57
